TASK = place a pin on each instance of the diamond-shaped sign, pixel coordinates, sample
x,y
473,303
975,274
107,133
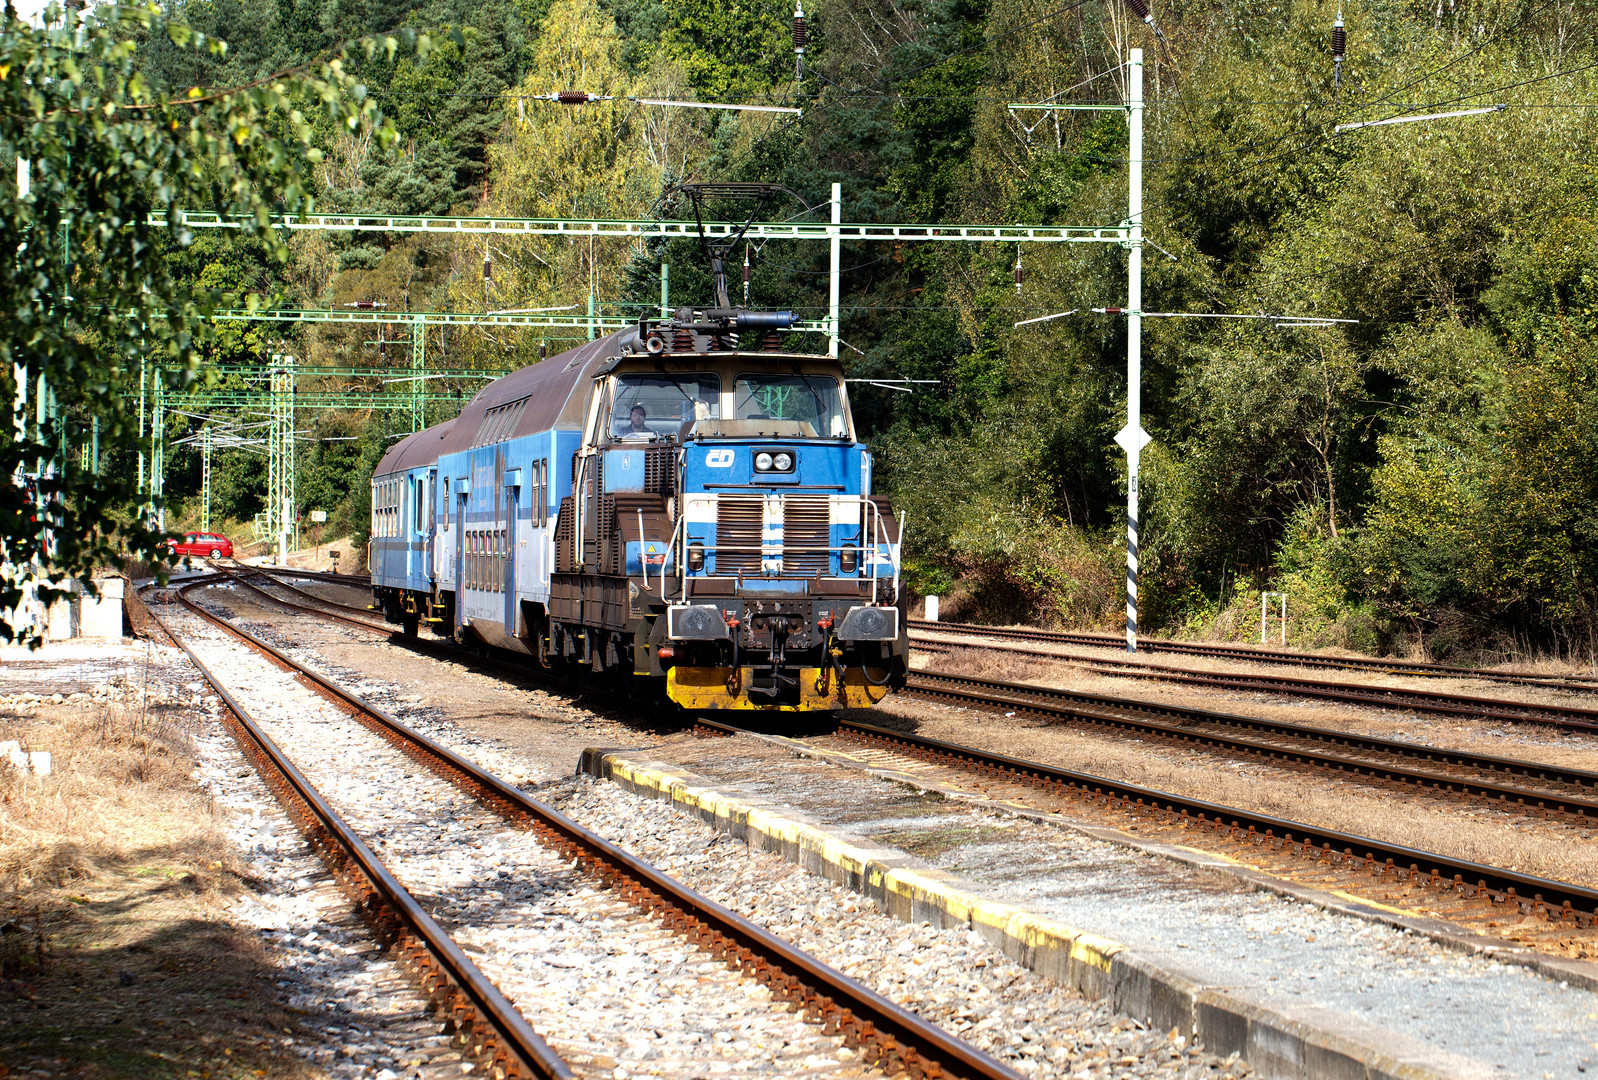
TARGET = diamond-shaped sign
x,y
1132,439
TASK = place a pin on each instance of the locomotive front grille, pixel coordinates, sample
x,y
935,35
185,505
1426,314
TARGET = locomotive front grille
x,y
806,535
749,543
740,529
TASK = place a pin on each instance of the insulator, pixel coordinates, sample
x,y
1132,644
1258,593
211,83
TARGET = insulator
x,y
488,269
573,97
1141,10
1339,40
1018,274
543,350
799,32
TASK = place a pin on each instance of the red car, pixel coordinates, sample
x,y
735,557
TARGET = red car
x,y
209,545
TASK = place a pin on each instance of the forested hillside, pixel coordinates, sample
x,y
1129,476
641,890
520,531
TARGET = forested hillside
x,y
1423,475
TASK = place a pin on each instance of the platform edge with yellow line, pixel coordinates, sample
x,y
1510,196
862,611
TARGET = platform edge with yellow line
x,y
1292,1043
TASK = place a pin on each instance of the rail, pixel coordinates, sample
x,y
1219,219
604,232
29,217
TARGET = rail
x,y
471,998
887,1034
1259,655
1329,752
1528,893
1500,710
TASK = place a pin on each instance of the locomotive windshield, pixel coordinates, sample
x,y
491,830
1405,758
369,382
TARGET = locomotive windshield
x,y
814,402
648,407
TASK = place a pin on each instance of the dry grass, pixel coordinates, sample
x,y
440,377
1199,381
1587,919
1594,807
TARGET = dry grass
x,y
1532,742
118,957
122,763
1463,830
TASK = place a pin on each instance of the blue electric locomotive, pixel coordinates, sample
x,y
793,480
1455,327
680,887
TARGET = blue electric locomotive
x,y
681,503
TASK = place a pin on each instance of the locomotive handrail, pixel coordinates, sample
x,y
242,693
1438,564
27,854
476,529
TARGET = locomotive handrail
x,y
873,525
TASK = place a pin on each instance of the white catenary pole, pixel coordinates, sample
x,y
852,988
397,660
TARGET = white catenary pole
x,y
19,411
1133,438
836,276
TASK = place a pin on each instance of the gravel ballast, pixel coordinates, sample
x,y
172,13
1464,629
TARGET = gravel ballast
x,y
1504,1015
950,977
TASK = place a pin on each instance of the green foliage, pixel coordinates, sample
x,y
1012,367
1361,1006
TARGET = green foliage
x,y
109,152
730,50
1424,470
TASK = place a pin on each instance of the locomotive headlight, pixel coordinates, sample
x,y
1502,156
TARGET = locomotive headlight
x,y
848,559
763,462
782,462
696,557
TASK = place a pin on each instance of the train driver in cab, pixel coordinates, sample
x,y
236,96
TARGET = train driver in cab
x,y
636,427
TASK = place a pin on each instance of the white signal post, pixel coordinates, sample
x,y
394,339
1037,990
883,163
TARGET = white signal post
x,y
835,283
1133,438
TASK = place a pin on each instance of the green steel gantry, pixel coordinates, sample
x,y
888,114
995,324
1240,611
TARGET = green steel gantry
x,y
834,232
1127,233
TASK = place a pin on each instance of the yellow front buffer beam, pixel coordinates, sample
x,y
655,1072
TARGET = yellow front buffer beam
x,y
819,689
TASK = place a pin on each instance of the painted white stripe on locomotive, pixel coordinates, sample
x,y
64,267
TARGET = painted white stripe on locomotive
x,y
771,535
699,509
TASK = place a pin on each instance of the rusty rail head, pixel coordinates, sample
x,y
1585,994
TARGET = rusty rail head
x,y
271,576
532,1055
1078,704
888,1033
238,577
1466,705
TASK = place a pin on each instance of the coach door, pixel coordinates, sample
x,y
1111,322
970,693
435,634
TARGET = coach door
x,y
460,552
513,492
430,545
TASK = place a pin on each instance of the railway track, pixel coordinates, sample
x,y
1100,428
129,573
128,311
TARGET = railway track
x,y
1256,655
1467,892
1509,784
347,614
887,1036
486,1021
1494,709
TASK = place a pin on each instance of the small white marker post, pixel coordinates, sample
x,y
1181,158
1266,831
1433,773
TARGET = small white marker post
x,y
932,609
1265,599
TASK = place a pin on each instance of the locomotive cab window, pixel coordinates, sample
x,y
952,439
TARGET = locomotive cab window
x,y
649,408
802,406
